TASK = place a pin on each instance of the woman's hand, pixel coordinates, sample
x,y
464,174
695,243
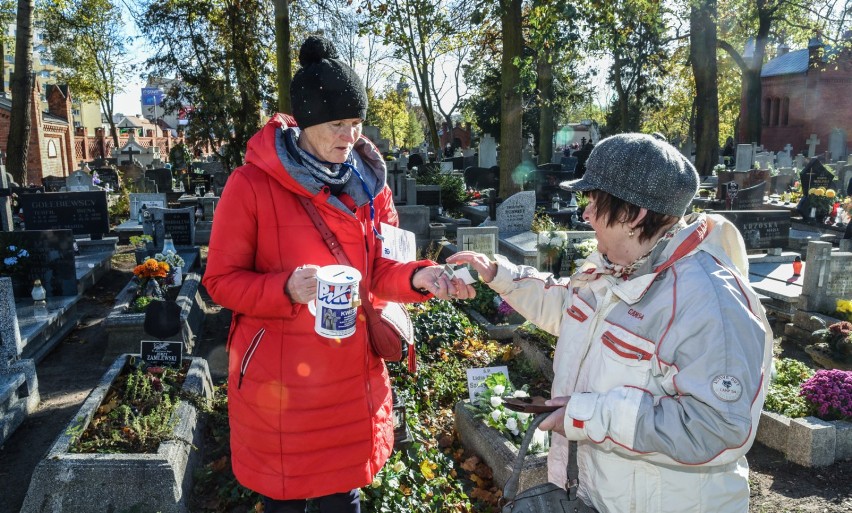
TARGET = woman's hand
x,y
437,282
555,421
302,285
481,263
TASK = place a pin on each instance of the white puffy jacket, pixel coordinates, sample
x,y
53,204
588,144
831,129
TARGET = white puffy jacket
x,y
667,372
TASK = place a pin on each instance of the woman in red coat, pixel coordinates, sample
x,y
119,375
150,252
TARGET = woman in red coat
x,y
310,416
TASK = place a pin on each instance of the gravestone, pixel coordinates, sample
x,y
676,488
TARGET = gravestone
x,y
82,212
429,195
177,222
745,157
482,239
487,151
750,198
51,260
133,152
515,214
800,161
482,178
132,172
147,200
80,181
761,229
19,393
143,185
827,278
837,144
569,164
764,160
208,206
218,181
197,184
162,177
53,183
815,175
783,160
812,143
108,176
208,168
785,178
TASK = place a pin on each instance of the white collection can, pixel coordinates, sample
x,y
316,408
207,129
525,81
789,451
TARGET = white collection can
x,y
336,304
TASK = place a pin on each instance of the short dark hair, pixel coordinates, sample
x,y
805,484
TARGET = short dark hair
x,y
617,211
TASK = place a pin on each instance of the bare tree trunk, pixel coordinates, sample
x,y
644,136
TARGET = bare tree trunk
x,y
702,55
2,69
20,122
511,110
545,121
282,54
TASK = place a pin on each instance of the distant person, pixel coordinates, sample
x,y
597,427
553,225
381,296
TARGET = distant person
x,y
310,416
728,153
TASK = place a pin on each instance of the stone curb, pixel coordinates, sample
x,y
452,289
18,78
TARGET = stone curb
x,y
807,441
74,482
496,451
495,331
533,354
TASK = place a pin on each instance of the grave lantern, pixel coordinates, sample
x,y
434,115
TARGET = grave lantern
x,y
401,435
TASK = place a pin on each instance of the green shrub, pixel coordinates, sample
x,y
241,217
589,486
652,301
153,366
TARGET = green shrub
x,y
783,394
453,193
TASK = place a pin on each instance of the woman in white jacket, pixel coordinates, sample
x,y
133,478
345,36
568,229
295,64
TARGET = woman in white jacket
x,y
664,349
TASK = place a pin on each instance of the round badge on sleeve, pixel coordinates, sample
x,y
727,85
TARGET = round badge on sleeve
x,y
727,388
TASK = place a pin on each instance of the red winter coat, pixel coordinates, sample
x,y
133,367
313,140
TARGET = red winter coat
x,y
307,419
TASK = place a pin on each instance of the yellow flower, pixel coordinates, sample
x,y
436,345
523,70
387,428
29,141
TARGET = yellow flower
x,y
844,305
830,194
819,191
377,482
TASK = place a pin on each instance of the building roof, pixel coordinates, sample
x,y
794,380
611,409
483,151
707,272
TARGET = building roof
x,y
6,104
788,64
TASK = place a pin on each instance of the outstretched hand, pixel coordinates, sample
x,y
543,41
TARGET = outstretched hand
x,y
437,282
481,263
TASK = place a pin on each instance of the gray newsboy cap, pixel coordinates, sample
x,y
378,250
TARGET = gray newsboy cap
x,y
642,170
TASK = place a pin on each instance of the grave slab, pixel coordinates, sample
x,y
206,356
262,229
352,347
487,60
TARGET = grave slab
x,y
74,482
40,336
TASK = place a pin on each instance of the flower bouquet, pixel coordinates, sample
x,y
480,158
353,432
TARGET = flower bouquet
x,y
176,263
150,276
830,394
821,201
513,425
15,261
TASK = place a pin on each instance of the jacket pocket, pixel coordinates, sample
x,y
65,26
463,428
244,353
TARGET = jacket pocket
x,y
626,358
249,354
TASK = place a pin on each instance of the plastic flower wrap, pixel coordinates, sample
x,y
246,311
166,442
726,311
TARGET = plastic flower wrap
x,y
171,258
821,199
513,425
830,394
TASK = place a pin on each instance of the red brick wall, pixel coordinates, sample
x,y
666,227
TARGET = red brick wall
x,y
819,101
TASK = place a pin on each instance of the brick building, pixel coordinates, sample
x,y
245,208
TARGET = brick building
x,y
51,150
805,92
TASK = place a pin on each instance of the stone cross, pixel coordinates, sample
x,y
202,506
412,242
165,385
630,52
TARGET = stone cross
x,y
130,152
788,149
812,144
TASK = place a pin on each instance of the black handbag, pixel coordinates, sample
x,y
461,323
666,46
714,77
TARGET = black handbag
x,y
548,497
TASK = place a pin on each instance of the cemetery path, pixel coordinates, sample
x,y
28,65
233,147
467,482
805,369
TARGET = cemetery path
x,y
74,367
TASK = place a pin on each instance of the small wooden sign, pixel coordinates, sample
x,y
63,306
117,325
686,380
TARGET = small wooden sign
x,y
162,353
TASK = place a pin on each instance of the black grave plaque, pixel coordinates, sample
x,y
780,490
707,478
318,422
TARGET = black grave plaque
x,y
815,175
51,260
179,226
160,353
81,212
761,229
750,198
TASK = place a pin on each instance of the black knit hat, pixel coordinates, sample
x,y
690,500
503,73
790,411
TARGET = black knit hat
x,y
325,88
